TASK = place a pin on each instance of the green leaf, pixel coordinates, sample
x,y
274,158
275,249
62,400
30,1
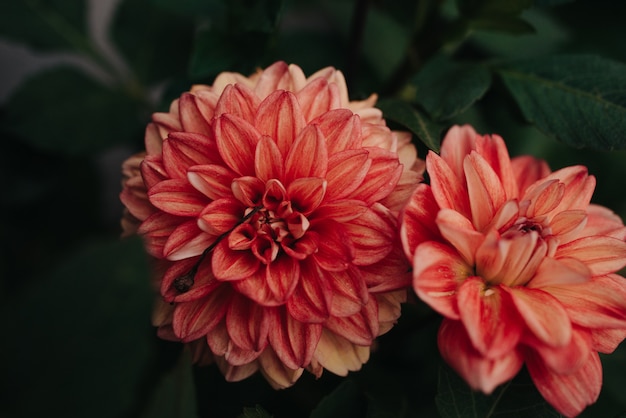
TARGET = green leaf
x,y
578,99
344,402
175,396
417,122
256,412
65,112
80,337
155,43
516,399
445,88
45,24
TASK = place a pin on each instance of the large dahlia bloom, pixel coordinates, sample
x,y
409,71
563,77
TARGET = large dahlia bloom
x,y
521,266
271,203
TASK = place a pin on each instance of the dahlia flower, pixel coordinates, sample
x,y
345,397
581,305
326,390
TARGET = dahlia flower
x,y
271,203
521,266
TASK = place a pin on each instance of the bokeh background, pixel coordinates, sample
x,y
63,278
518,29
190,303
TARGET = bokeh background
x,y
78,82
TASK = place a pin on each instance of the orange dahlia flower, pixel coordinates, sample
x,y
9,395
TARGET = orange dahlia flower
x,y
521,266
271,202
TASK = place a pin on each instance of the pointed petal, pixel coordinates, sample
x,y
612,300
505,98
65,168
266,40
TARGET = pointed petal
x,y
528,170
349,293
342,130
335,251
256,288
338,355
268,161
544,315
232,264
182,150
567,393
293,341
372,235
280,117
220,216
308,156
236,141
480,373
438,270
346,171
448,191
191,118
311,299
238,100
566,359
485,190
318,97
544,197
382,177
247,324
157,228
603,255
277,374
306,194
187,240
360,328
283,275
177,197
248,190
195,319
152,170
214,181
417,220
493,325
460,232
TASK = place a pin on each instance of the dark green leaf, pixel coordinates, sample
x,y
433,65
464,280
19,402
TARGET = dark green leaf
x,y
516,399
510,24
578,99
423,127
256,412
66,112
155,43
81,337
45,24
445,88
344,402
175,396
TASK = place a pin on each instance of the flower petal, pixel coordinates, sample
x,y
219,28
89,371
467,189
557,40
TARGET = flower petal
x,y
460,232
177,197
342,130
417,220
567,393
212,180
306,194
232,264
182,150
293,341
187,240
338,355
348,291
279,116
195,319
268,161
346,171
360,328
221,216
282,275
318,97
311,299
485,190
247,324
236,142
381,178
307,156
603,255
191,118
276,372
449,192
372,235
239,100
566,359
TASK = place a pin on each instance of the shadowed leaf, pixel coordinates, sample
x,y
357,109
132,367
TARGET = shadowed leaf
x,y
403,113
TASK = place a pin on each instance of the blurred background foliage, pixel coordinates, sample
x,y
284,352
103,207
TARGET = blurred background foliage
x,y
548,75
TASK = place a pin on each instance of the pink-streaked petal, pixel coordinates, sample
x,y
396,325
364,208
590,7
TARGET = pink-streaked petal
x,y
293,341
152,170
275,195
191,118
564,271
152,140
272,78
480,372
268,161
220,216
306,194
318,97
493,149
598,303
338,355
544,197
342,210
438,270
342,130
485,190
187,240
456,145
607,340
227,350
242,237
279,116
543,314
348,289
373,236
568,224
360,328
505,217
211,180
381,178
346,171
460,232
567,393
238,100
566,359
248,190
335,251
232,264
236,141
183,149
308,156
579,186
603,221
256,288
311,299
417,220
391,273
195,319
528,170
157,229
277,374
204,281
603,255
449,192
283,275
492,323
247,324
177,197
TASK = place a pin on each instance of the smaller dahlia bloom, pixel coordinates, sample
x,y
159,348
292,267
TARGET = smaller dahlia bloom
x,y
271,204
521,265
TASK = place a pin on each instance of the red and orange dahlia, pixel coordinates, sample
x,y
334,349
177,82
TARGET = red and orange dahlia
x,y
521,266
271,204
